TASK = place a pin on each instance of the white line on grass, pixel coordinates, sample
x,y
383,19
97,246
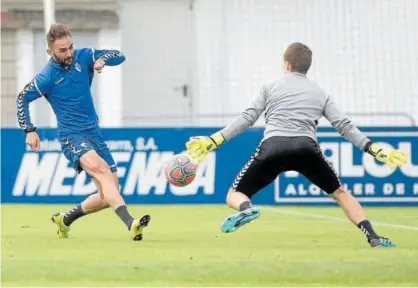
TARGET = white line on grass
x,y
326,217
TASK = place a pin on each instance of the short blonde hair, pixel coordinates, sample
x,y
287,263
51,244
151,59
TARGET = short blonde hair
x,y
57,31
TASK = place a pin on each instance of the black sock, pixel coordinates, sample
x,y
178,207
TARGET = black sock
x,y
73,215
366,227
124,215
244,205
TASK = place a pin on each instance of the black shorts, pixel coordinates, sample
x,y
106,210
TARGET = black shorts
x,y
279,154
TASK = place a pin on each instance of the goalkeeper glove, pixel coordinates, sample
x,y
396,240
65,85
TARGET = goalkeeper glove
x,y
390,157
198,147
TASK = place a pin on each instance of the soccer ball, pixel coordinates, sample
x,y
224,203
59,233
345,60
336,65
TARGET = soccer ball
x,y
180,171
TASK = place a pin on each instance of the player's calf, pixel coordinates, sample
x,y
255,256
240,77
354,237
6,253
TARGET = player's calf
x,y
355,213
239,201
93,164
234,200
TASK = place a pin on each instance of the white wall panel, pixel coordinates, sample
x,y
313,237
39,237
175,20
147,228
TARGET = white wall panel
x,y
109,83
364,56
364,52
9,77
156,39
25,66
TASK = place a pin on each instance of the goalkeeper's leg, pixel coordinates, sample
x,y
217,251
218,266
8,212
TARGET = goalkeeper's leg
x,y
355,213
260,170
313,165
247,213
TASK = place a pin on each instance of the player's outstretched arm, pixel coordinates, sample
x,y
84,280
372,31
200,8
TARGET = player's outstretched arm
x,y
109,57
198,147
349,131
32,91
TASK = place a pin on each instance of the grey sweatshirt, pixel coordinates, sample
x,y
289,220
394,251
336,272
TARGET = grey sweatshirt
x,y
293,106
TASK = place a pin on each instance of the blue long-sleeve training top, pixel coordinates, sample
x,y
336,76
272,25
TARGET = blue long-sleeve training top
x,y
67,90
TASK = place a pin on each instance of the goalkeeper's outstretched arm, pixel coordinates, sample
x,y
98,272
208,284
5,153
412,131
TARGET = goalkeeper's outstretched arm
x,y
199,146
247,118
349,131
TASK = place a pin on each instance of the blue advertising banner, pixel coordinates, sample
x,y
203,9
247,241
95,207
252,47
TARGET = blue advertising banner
x,y
368,180
47,177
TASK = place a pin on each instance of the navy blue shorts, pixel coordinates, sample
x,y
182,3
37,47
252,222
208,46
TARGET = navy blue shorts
x,y
75,146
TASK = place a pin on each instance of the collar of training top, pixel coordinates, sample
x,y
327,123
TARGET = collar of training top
x,y
297,73
59,66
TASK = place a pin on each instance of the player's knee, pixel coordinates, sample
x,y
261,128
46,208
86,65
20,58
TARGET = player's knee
x,y
103,168
337,194
229,197
101,194
105,204
91,161
94,164
99,167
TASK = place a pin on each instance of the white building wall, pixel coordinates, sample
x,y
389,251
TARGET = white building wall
x,y
157,40
364,56
8,77
109,87
25,65
364,53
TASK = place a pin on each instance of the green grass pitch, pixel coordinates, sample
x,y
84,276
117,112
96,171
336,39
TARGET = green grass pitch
x,y
183,246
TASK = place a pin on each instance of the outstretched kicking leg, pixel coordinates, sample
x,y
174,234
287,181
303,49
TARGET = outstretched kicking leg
x,y
108,196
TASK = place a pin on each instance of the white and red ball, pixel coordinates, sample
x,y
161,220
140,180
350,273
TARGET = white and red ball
x,y
181,170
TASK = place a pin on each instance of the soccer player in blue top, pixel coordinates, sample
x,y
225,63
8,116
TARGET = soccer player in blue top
x,y
65,83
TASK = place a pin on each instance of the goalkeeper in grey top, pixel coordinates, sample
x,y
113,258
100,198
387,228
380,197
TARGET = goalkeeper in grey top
x,y
293,106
